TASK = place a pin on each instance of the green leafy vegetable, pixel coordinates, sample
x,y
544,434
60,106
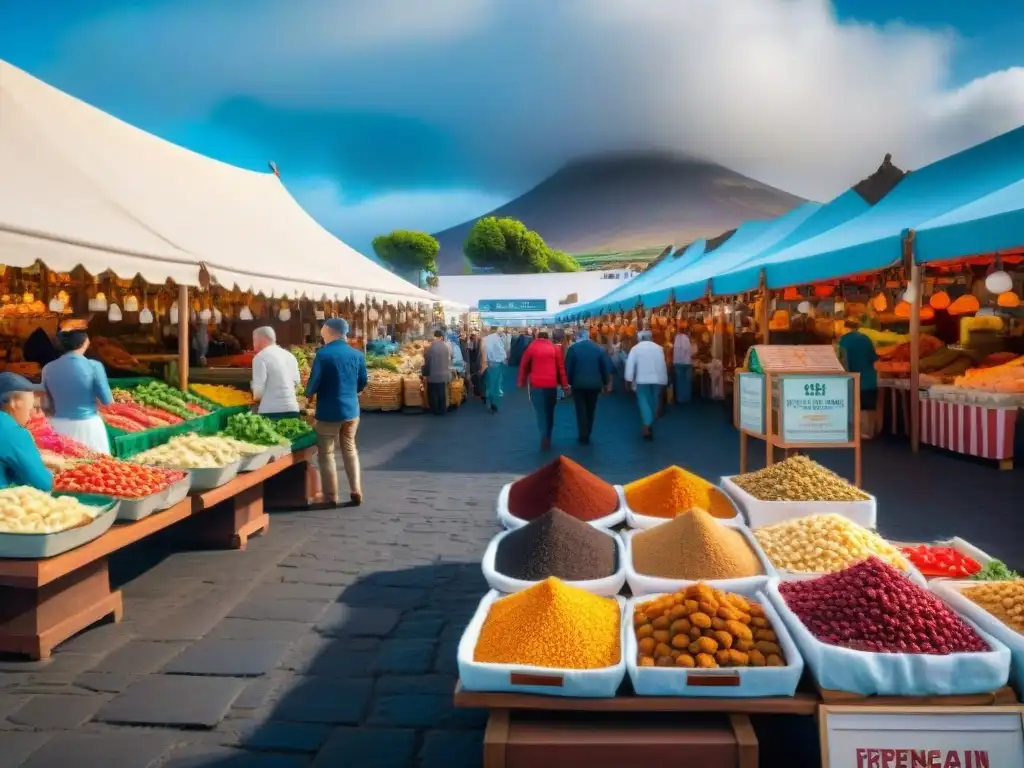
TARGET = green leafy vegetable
x,y
252,428
996,570
292,428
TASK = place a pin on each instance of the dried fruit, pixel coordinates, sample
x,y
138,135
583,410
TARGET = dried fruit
x,y
823,544
872,607
798,478
1004,600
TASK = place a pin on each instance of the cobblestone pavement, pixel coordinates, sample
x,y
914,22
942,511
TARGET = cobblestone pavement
x,y
331,640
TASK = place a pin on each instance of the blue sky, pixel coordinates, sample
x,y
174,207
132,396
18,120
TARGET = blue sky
x,y
393,113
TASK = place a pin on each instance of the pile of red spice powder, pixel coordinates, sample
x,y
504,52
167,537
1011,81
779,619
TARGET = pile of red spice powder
x,y
873,607
566,485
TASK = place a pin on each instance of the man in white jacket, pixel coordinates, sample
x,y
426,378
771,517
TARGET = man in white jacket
x,y
647,373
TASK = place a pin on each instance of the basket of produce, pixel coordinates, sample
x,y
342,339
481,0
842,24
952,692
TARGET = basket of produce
x,y
253,429
797,487
552,639
412,392
132,417
995,606
694,547
164,397
807,547
952,559
140,490
298,432
870,630
383,391
565,485
211,461
224,396
703,642
556,545
36,525
177,492
673,491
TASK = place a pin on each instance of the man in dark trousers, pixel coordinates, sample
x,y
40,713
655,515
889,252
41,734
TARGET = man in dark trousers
x,y
437,370
589,370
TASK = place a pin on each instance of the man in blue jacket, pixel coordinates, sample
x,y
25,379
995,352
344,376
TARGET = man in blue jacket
x,y
589,370
20,462
336,379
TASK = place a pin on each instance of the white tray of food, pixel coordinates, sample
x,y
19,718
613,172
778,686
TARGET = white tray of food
x,y
896,674
759,513
606,587
208,478
643,522
724,682
36,546
177,491
642,584
951,592
511,522
256,460
131,510
522,678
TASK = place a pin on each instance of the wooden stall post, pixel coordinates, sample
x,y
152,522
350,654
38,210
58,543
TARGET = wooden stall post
x,y
183,339
765,313
914,277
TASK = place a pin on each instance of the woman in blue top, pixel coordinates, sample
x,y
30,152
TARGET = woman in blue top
x,y
74,385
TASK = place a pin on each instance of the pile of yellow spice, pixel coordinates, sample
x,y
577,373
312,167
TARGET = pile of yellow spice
x,y
823,544
553,625
1003,599
674,491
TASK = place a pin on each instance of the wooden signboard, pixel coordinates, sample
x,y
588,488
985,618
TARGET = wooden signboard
x,y
795,398
921,737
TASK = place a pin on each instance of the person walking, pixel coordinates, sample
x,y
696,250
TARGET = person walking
x,y
275,377
647,373
543,368
437,370
74,385
859,356
588,370
336,379
682,366
492,362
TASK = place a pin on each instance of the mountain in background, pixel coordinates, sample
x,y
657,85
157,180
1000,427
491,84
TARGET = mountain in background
x,y
613,210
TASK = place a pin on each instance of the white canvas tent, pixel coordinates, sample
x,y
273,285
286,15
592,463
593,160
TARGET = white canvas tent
x,y
79,186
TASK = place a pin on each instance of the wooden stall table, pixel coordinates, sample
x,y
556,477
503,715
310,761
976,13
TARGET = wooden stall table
x,y
44,602
548,731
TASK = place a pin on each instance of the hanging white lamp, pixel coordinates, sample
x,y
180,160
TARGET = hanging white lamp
x,y
173,313
245,313
804,307
98,304
56,305
146,316
999,282
205,315
131,304
218,316
114,314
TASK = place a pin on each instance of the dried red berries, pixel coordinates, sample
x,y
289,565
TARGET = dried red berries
x,y
872,607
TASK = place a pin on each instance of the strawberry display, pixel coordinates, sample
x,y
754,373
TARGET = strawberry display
x,y
119,479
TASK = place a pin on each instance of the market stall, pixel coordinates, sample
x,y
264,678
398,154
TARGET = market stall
x,y
794,608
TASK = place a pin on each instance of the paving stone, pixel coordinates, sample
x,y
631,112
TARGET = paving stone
x,y
213,756
452,749
368,748
52,713
345,620
442,685
16,746
103,638
293,591
279,610
307,575
276,736
325,700
411,710
173,700
11,702
255,693
105,682
251,629
103,750
420,624
360,595
447,662
228,658
339,660
405,657
140,656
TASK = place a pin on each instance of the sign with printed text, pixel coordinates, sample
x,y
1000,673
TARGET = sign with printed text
x,y
816,409
751,408
512,305
922,737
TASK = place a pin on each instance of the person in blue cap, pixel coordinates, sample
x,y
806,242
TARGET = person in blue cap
x,y
336,379
20,462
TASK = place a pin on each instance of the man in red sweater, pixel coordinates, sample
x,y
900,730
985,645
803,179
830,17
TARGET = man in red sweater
x,y
543,367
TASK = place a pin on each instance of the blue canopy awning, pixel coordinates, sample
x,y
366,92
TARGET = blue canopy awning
x,y
989,224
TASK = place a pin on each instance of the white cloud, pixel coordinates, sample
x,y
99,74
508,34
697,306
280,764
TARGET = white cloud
x,y
358,222
779,89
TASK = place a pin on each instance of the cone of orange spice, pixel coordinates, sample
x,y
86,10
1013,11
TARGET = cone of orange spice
x,y
674,491
706,628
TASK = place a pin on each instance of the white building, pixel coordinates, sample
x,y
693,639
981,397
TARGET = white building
x,y
521,300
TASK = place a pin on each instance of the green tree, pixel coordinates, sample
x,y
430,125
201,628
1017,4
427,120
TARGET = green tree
x,y
408,250
508,246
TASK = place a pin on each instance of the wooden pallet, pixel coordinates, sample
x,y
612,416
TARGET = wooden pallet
x,y
1001,697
